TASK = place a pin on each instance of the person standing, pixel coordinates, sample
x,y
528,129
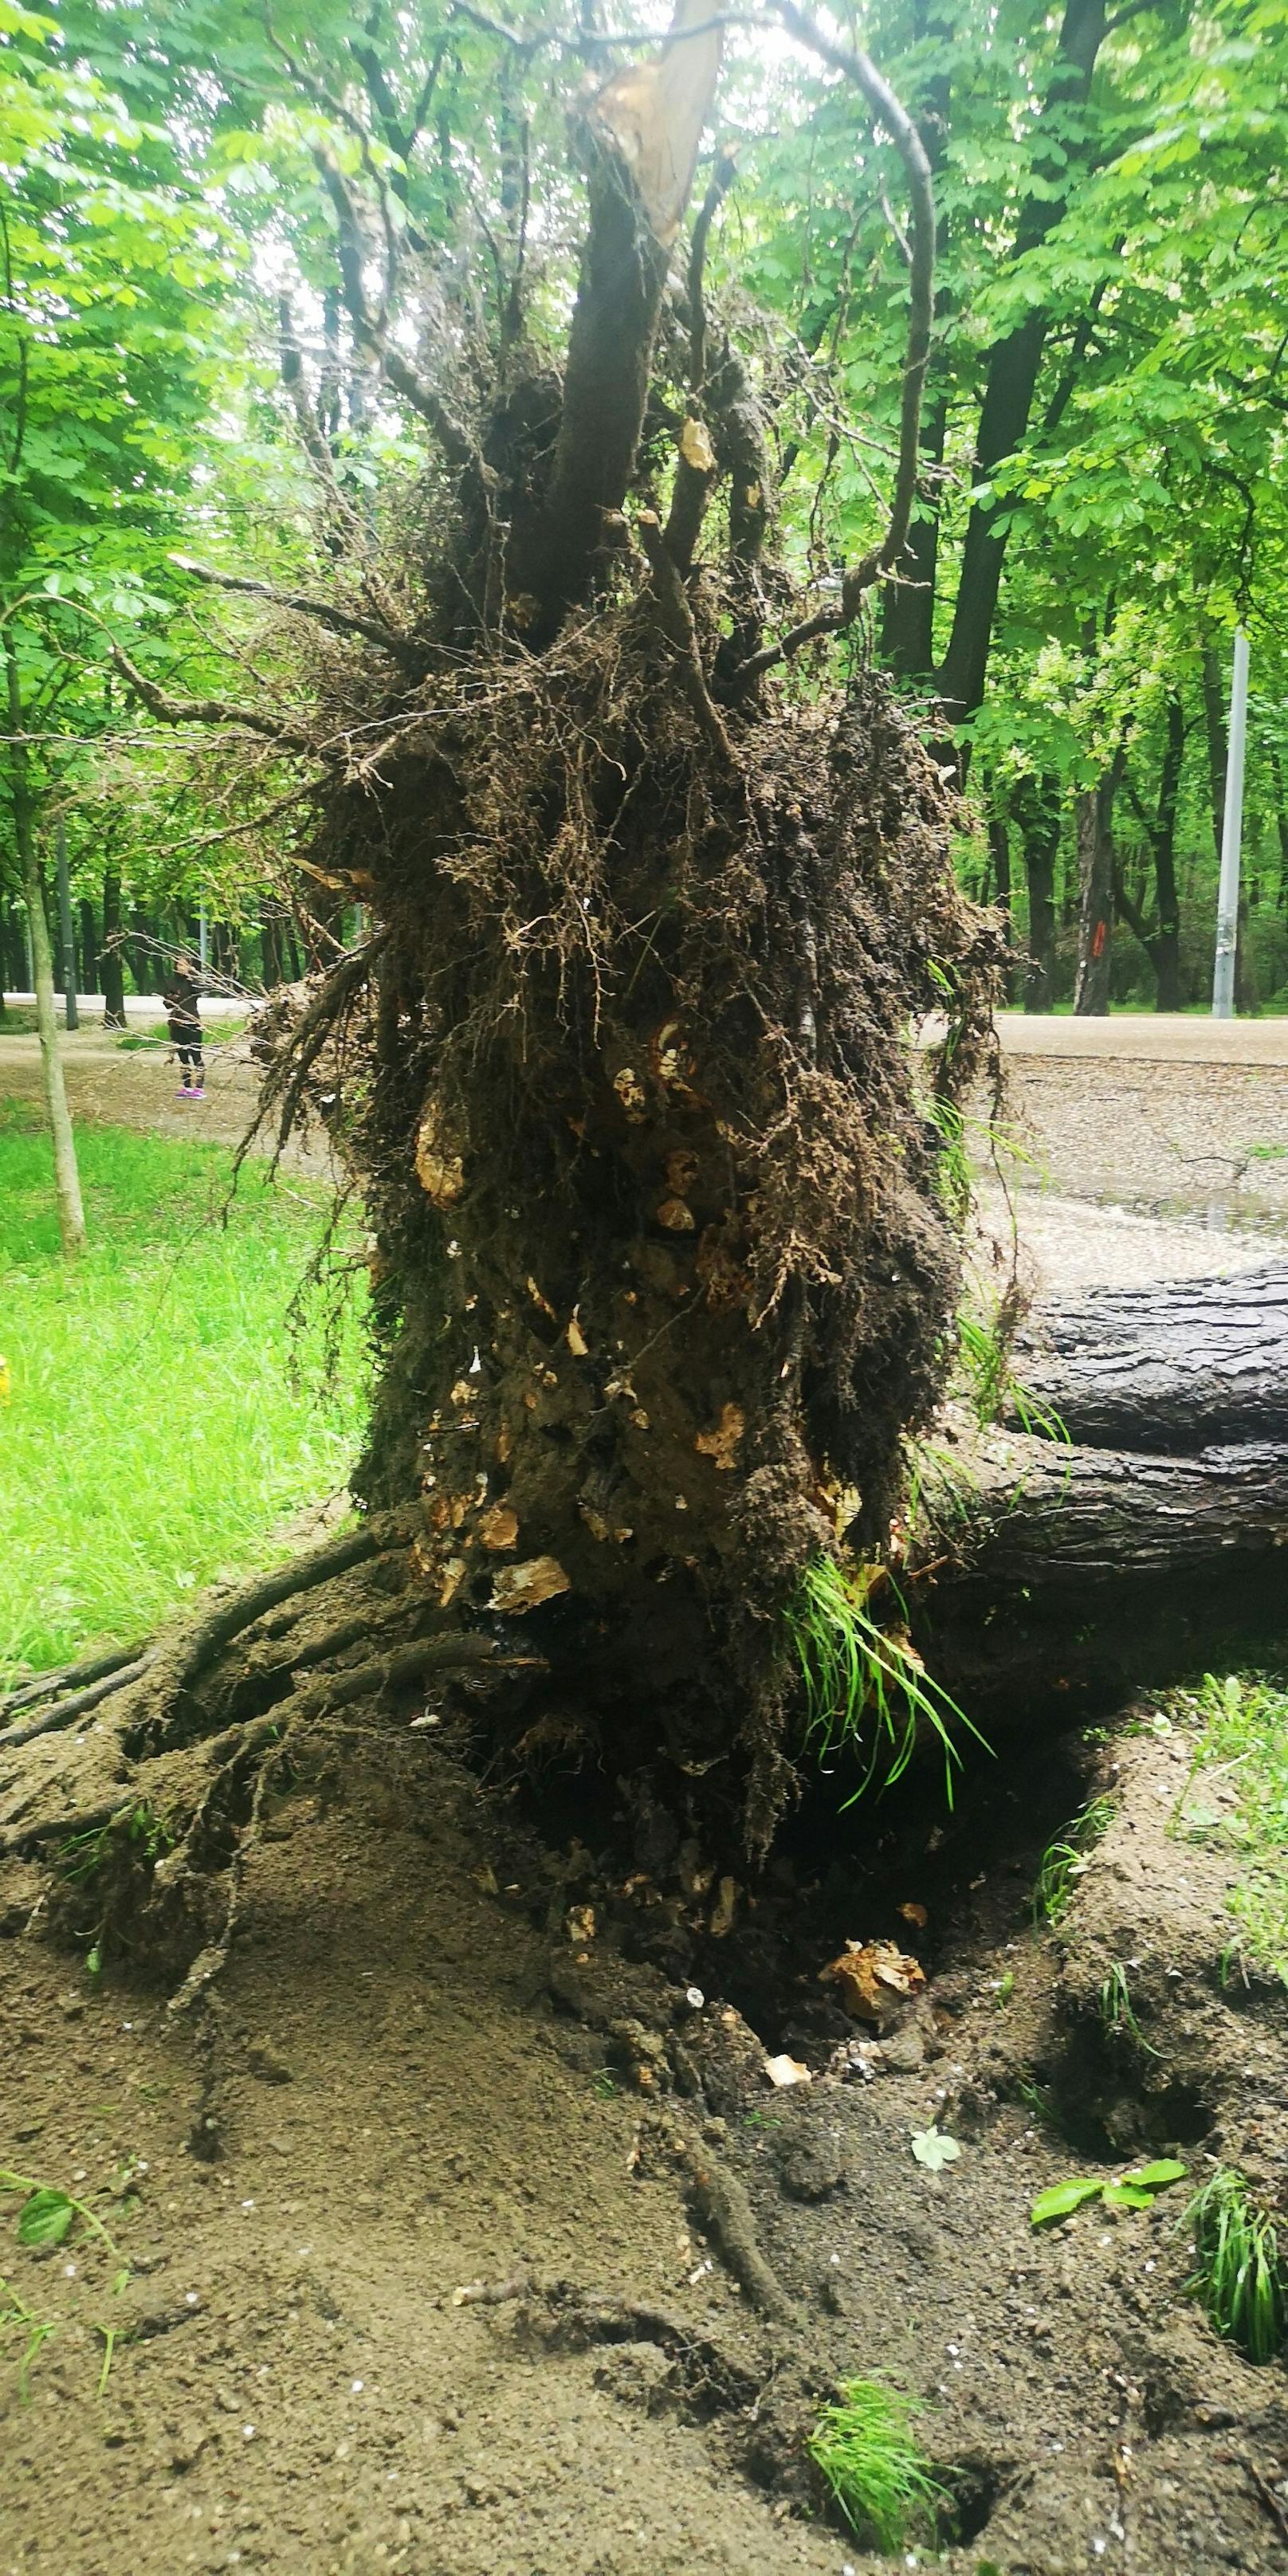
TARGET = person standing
x,y
183,1009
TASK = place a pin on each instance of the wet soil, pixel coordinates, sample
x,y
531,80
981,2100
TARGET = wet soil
x,y
463,2238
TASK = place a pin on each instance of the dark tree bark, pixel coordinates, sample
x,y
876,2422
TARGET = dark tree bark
x,y
1163,945
1095,815
1167,948
908,604
113,979
1080,1575
1013,363
1150,1536
1176,1366
270,932
1035,807
89,945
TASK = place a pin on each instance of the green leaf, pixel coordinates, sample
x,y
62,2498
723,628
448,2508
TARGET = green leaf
x,y
1127,2195
45,2218
1062,2198
932,2150
1156,2177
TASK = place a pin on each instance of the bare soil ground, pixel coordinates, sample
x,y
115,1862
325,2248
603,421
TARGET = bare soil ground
x,y
461,2239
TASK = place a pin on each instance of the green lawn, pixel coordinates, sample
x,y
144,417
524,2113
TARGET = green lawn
x,y
163,1417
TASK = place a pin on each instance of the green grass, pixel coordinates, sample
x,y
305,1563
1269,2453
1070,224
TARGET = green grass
x,y
1118,2012
1239,2274
866,1688
164,1419
1244,1744
867,2452
1064,1860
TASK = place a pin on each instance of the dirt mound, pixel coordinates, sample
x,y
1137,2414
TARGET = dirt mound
x,y
445,2059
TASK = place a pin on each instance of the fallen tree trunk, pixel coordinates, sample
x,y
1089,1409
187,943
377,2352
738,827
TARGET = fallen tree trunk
x,y
1176,1366
1147,1542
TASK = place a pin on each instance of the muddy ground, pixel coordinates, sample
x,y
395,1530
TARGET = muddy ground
x,y
504,2257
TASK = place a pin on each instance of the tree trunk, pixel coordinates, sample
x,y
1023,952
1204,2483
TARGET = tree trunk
x,y
1147,1539
71,1214
1095,812
908,604
1176,1366
89,947
1013,365
1167,952
1036,808
999,844
270,932
66,931
1079,1576
113,979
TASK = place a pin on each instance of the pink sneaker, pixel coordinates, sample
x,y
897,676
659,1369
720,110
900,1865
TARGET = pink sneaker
x,y
183,1093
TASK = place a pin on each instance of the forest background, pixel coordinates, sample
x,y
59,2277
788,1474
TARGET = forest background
x,y
1103,495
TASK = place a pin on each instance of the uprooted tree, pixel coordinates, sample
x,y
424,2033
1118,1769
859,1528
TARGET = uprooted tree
x,y
666,1241
666,1201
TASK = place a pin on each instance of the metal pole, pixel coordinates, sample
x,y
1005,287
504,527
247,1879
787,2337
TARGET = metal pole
x,y
66,935
1227,902
201,936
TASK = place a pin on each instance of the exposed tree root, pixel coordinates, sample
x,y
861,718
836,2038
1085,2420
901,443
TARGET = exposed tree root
x,y
146,1819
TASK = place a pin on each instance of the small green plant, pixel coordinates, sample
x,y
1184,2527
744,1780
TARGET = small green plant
x,y
20,2323
1064,1860
991,1383
858,1675
934,2149
1117,2011
1138,2189
48,2214
1239,2275
82,1856
1243,1749
605,2086
1040,2100
867,2452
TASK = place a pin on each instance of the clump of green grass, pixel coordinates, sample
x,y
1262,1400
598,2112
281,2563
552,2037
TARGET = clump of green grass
x,y
1064,1860
1244,1742
20,2323
1239,2273
164,1417
866,2450
866,1687
1118,2012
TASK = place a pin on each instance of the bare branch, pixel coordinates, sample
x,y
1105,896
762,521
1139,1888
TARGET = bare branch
x,y
210,711
341,621
722,179
889,111
398,371
676,619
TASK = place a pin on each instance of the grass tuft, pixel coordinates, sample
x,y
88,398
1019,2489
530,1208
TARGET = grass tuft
x,y
1239,2274
1064,1860
164,1418
867,2452
866,1687
1243,1749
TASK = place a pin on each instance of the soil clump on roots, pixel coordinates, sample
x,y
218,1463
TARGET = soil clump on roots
x,y
666,1245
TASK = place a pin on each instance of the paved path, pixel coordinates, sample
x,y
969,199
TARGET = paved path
x,y
1147,1037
